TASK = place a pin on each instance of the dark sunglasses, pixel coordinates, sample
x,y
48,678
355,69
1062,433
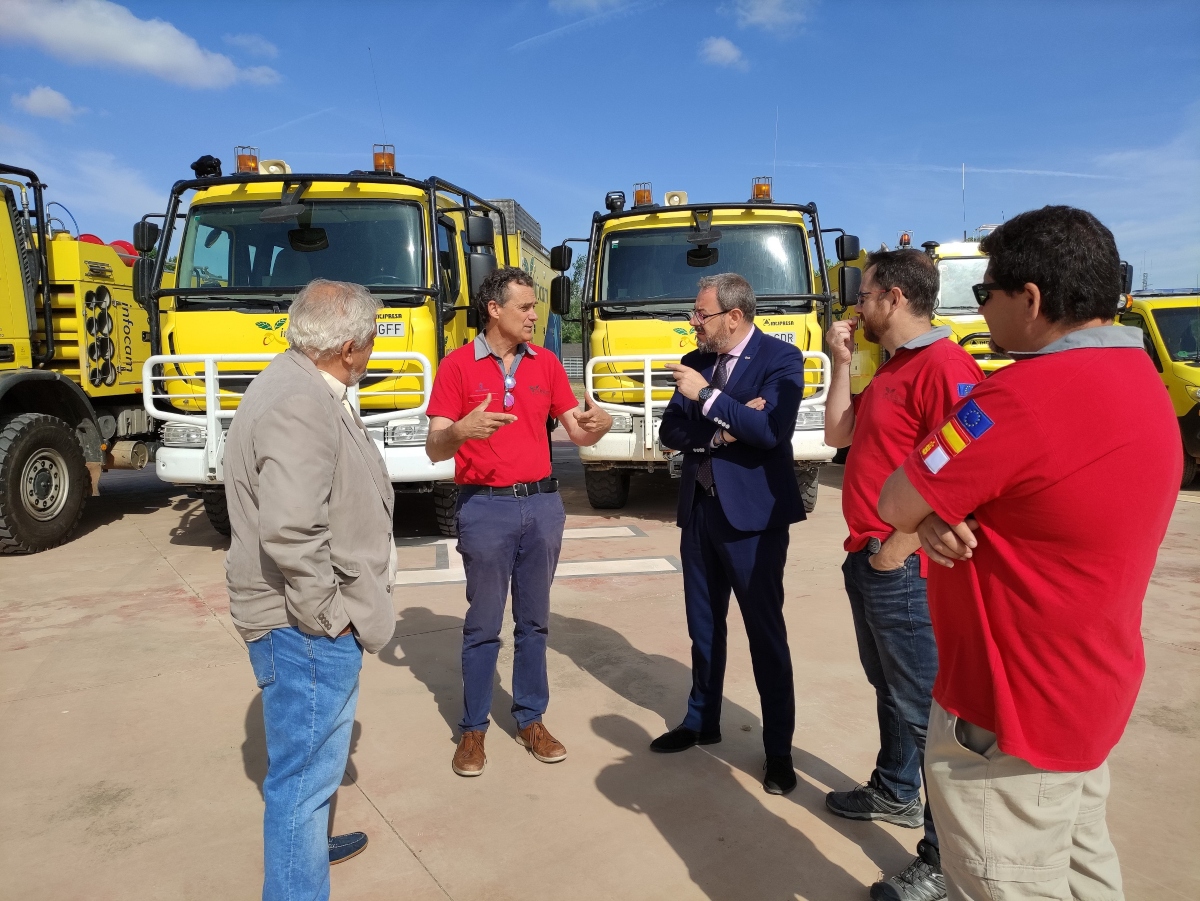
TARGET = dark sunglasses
x,y
983,291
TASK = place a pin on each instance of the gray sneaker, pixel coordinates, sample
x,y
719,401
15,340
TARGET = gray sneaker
x,y
870,803
922,880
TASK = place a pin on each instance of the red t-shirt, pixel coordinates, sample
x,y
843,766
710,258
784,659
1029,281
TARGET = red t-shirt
x,y
909,396
1070,462
519,451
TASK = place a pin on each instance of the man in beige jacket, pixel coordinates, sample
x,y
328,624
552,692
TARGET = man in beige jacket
x,y
309,570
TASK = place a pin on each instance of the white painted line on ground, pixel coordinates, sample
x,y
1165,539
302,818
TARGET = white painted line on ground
x,y
614,567
605,532
1189,498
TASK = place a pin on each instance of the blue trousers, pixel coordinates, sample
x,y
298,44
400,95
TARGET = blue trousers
x,y
899,656
718,558
310,691
507,542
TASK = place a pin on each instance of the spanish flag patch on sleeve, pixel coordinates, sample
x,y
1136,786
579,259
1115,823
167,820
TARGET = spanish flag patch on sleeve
x,y
966,426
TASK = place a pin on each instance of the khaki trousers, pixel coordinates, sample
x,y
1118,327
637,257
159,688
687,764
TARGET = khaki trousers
x,y
1010,831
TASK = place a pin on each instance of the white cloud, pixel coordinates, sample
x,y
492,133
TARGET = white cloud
x,y
722,52
105,33
47,103
254,44
771,14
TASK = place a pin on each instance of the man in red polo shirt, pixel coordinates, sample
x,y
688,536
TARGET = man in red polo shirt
x,y
488,410
925,375
1037,605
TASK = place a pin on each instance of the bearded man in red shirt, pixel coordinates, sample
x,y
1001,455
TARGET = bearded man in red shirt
x,y
1037,604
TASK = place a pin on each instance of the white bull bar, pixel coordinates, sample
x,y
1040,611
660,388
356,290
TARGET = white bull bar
x,y
213,402
648,404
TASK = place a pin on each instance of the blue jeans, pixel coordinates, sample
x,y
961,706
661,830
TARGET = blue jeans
x,y
310,690
507,541
898,653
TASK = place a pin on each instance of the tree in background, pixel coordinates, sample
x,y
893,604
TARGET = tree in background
x,y
572,329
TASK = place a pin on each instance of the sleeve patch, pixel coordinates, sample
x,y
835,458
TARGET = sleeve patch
x,y
964,388
963,428
973,420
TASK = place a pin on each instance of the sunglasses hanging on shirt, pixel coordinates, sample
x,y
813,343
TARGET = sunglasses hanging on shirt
x,y
509,384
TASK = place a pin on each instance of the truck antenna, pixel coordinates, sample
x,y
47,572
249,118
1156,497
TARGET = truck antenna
x,y
775,157
378,100
964,193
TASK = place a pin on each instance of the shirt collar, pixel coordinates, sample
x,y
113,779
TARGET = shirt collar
x,y
741,347
336,388
926,338
1104,336
483,349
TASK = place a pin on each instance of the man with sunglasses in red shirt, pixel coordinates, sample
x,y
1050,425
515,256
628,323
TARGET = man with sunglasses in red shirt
x,y
1037,603
488,411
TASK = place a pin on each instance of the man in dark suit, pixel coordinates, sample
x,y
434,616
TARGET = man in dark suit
x,y
733,415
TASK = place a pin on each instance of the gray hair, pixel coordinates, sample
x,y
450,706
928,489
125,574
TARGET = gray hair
x,y
732,291
326,314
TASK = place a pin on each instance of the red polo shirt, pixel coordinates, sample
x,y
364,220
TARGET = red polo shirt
x,y
519,451
908,397
1069,460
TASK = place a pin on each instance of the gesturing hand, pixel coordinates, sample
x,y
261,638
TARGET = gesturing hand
x,y
840,340
944,543
594,420
755,404
687,380
479,423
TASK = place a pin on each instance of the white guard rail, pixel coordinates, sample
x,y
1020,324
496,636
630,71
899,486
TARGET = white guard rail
x,y
214,399
648,405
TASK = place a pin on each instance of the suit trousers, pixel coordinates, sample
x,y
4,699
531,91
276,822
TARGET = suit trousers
x,y
718,558
1013,832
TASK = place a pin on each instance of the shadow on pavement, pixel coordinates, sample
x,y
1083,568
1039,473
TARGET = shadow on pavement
x,y
438,666
771,854
126,494
661,684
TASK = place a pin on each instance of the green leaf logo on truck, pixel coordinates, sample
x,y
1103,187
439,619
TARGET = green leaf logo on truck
x,y
275,330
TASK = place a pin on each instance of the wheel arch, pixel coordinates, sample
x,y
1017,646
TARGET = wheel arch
x,y
43,391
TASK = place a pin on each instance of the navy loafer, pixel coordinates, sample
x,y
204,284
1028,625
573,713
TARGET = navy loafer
x,y
343,847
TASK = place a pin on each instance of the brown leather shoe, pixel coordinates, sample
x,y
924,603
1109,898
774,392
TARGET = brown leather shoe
x,y
544,746
469,759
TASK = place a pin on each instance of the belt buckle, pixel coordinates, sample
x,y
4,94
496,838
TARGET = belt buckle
x,y
521,489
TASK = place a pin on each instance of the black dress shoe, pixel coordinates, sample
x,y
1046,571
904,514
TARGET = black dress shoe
x,y
780,775
343,847
680,739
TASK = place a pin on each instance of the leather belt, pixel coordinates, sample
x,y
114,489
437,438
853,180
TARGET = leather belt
x,y
521,489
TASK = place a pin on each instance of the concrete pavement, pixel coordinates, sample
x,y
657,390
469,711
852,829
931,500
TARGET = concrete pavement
x,y
132,734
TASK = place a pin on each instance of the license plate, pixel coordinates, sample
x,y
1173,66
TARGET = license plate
x,y
789,337
389,329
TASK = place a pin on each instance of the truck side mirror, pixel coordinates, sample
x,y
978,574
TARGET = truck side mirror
x,y
480,231
143,287
479,267
560,257
849,281
560,295
145,236
1126,278
847,248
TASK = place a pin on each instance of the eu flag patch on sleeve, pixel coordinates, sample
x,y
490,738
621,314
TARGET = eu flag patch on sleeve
x,y
964,388
957,433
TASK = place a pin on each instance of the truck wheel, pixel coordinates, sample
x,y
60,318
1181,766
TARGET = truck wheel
x,y
806,480
1189,469
217,510
445,499
607,489
44,483
841,455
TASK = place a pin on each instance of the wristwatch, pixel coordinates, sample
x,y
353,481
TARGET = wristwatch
x,y
704,394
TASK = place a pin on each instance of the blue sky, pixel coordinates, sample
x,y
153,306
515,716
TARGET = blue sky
x,y
554,103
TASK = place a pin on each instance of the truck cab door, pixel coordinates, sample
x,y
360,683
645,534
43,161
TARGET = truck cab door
x,y
450,264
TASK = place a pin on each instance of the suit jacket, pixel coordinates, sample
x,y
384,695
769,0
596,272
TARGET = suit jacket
x,y
755,476
310,506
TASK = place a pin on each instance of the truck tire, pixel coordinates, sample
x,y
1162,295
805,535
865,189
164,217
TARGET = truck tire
x,y
217,510
1189,469
445,499
806,480
44,483
607,489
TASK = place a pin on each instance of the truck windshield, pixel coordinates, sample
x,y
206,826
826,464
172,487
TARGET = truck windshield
x,y
958,274
372,243
651,265
1180,330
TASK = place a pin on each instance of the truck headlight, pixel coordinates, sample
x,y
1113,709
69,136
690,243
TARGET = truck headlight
x,y
622,422
1193,391
407,432
810,419
182,434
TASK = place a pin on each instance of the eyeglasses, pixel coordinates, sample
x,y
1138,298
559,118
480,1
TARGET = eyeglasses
x,y
983,291
510,383
863,295
702,317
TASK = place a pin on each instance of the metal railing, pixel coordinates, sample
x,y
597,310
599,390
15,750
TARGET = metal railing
x,y
648,405
201,390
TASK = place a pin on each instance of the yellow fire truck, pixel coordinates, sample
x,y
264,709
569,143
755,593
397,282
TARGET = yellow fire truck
x,y
72,342
639,287
252,239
